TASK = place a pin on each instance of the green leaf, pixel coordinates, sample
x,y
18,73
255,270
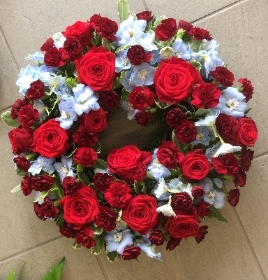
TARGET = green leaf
x,y
200,113
97,230
56,271
6,117
59,220
16,189
158,21
83,177
123,10
106,44
111,256
11,275
44,194
20,172
99,244
100,163
215,213
161,105
139,187
97,147
124,95
77,246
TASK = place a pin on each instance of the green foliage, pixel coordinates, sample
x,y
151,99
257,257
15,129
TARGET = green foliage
x,y
100,163
123,10
215,213
158,21
59,220
6,118
11,275
83,177
20,172
55,272
16,189
161,105
77,246
124,95
99,244
106,44
111,256
97,230
201,113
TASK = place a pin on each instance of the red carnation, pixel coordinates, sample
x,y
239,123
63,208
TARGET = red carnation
x,y
166,29
175,116
206,96
85,156
85,238
246,88
140,172
106,218
137,55
27,115
38,211
198,191
143,117
202,209
223,76
246,158
49,43
200,34
102,181
48,209
156,237
36,90
233,197
17,106
173,243
22,163
185,25
70,185
140,98
186,131
42,183
83,137
226,164
67,231
201,234
72,48
109,100
131,253
54,57
240,178
26,185
181,202
145,15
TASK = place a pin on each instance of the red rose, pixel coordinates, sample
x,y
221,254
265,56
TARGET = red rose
x,y
145,15
36,90
156,237
200,34
246,158
102,181
186,131
246,88
26,185
168,154
81,207
226,164
206,95
130,253
83,137
173,243
227,128
201,234
95,121
202,209
223,76
137,55
182,226
22,163
97,69
140,172
240,178
109,100
49,43
70,185
54,57
181,202
17,106
50,140
175,116
185,25
174,78
42,183
197,191
72,48
118,194
195,165
140,98
105,27
67,231
84,237
48,209
233,197
140,214
124,161
143,117
27,115
106,218
85,156
166,29
80,30
21,140
247,132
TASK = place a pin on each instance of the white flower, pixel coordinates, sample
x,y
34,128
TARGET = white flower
x,y
42,163
161,188
128,108
53,80
37,197
149,250
41,107
118,241
59,40
122,61
68,114
64,167
166,210
226,149
209,119
146,40
158,170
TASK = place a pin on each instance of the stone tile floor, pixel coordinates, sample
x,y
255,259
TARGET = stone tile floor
x,y
235,250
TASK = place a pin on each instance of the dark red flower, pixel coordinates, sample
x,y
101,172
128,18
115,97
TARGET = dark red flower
x,y
49,43
137,55
175,116
247,132
227,128
202,209
36,90
85,156
109,100
185,25
240,178
27,115
200,34
17,106
226,164
21,139
140,172
53,58
156,237
26,185
72,48
106,218
95,121
22,163
247,88
70,185
233,197
223,76
246,159
143,117
186,131
181,202
42,183
140,98
203,230
48,209
173,243
198,191
67,231
38,211
83,137
166,29
145,15
102,181
130,253
84,237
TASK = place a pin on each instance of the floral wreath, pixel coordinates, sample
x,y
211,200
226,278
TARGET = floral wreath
x,y
161,73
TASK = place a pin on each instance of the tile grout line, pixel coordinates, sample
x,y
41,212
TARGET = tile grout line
x,y
145,5
30,249
260,156
7,45
102,268
219,10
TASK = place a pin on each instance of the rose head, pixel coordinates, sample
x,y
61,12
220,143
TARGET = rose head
x,y
21,140
95,121
247,132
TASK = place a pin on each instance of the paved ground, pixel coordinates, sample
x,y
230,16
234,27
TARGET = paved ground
x,y
235,250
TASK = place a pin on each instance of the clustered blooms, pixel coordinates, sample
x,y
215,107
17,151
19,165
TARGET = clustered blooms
x,y
161,72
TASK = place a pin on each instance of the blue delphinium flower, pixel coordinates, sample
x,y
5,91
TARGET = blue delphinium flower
x,y
203,136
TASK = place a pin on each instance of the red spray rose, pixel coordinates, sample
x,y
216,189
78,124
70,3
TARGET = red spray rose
x,y
226,164
168,154
131,253
246,88
85,238
186,131
140,98
174,78
201,234
137,55
109,100
85,156
81,207
27,115
195,165
175,116
247,132
145,15
106,218
50,140
102,181
206,95
97,69
124,161
166,29
156,237
233,197
83,137
95,121
223,76
36,90
118,194
140,214
182,226
143,117
21,140
42,183
22,163
200,34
